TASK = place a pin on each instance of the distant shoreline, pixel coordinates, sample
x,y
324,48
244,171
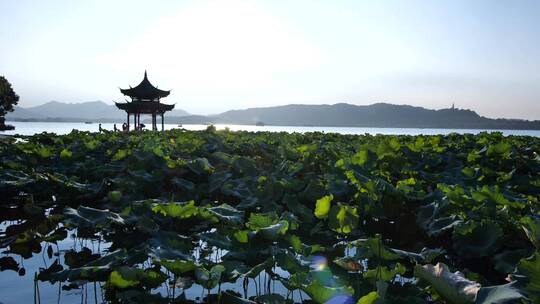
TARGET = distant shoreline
x,y
292,126
343,115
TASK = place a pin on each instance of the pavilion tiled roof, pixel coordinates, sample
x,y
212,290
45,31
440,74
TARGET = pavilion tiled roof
x,y
145,91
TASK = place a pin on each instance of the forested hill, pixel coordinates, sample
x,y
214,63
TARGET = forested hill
x,y
376,115
379,115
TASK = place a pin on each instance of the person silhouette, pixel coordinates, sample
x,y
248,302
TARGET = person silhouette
x,y
115,129
100,129
124,127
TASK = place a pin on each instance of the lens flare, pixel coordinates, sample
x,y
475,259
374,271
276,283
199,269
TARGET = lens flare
x,y
319,263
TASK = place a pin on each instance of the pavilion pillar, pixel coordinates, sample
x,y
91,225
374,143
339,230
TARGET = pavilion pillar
x,y
162,122
128,121
154,122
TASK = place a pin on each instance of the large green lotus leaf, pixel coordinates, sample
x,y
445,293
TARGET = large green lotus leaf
x,y
91,217
143,176
338,186
477,239
257,269
383,273
15,178
442,224
183,184
501,294
87,273
493,194
126,277
314,190
200,166
209,278
65,154
296,243
343,218
178,267
233,270
374,248
119,155
370,298
153,278
217,179
499,149
76,259
294,222
261,220
531,226
215,238
322,294
241,189
57,235
301,211
322,206
360,158
427,213
272,232
242,236
228,214
455,194
222,157
452,286
169,245
181,210
289,262
245,166
528,274
426,255
114,258
506,261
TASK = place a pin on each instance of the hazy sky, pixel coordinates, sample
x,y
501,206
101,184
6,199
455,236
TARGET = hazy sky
x,y
220,55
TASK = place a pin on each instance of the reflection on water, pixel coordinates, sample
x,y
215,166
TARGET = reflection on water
x,y
18,281
23,265
29,128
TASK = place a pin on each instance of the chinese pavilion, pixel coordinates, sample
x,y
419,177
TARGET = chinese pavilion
x,y
145,99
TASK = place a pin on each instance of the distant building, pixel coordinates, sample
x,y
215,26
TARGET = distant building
x,y
145,99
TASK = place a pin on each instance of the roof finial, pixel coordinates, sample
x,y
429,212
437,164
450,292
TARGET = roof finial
x,y
145,74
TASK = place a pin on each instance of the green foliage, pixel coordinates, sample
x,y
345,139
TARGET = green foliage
x,y
343,218
180,210
322,206
370,298
8,97
338,217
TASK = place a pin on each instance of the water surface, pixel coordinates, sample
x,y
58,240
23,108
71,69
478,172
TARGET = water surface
x,y
30,128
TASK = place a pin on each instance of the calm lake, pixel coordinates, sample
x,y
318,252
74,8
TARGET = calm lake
x,y
30,128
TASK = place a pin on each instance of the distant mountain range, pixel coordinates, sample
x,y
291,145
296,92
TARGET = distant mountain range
x,y
95,111
379,115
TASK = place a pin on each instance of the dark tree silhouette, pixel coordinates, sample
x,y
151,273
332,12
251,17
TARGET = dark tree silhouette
x,y
8,97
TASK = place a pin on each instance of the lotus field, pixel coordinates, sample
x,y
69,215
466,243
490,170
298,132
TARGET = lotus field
x,y
242,217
